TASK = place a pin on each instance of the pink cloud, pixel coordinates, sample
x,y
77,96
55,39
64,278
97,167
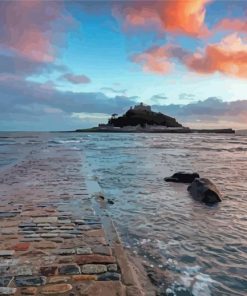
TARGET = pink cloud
x,y
159,59
237,25
27,28
155,60
229,57
177,16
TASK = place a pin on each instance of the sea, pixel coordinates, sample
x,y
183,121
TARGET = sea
x,y
202,249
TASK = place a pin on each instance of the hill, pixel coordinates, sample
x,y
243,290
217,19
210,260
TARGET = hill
x,y
143,115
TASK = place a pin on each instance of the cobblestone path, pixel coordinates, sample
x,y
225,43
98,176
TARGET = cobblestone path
x,y
51,242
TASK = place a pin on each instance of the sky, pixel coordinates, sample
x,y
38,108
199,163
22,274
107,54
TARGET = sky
x,y
71,64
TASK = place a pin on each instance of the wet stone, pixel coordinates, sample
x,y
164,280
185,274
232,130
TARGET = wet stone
x,y
66,227
67,235
112,267
85,259
4,270
5,280
31,239
44,225
46,245
84,227
23,232
45,220
28,291
93,268
48,270
8,214
79,222
22,270
22,281
50,228
64,221
59,279
7,291
8,262
102,250
65,252
34,235
65,259
30,228
56,239
56,289
84,277
65,217
49,235
23,225
6,253
84,251
21,247
109,276
69,269
9,230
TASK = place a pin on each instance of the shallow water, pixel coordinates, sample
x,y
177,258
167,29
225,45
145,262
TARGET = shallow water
x,y
204,249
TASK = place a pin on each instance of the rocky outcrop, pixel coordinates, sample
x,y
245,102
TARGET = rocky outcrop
x,y
182,177
204,190
143,117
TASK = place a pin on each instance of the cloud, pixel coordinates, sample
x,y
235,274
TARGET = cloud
x,y
31,28
185,96
75,79
212,112
158,98
228,57
159,59
20,96
113,90
177,16
21,66
31,105
237,25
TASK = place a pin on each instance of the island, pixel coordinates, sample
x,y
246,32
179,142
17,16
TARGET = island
x,y
141,119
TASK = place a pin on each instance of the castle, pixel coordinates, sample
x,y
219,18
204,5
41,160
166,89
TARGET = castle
x,y
141,107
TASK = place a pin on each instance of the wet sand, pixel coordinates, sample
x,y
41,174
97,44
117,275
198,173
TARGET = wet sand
x,y
52,242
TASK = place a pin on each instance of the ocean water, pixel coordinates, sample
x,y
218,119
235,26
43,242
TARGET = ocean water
x,y
202,249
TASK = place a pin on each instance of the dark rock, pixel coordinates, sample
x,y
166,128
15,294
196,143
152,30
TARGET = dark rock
x,y
69,269
5,280
182,177
22,281
48,270
24,225
110,201
109,276
204,190
8,214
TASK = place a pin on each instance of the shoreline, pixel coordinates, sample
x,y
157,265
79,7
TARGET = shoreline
x,y
157,131
134,276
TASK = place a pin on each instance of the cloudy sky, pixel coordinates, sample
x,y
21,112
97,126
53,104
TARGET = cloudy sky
x,y
67,65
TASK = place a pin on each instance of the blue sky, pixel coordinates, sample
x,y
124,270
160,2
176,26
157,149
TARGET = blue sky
x,y
71,64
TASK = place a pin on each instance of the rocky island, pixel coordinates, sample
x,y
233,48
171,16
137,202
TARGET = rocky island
x,y
141,119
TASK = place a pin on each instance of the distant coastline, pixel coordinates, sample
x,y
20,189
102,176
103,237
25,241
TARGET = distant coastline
x,y
172,131
141,119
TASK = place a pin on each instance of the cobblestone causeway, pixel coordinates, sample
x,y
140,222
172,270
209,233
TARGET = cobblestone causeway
x,y
51,242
